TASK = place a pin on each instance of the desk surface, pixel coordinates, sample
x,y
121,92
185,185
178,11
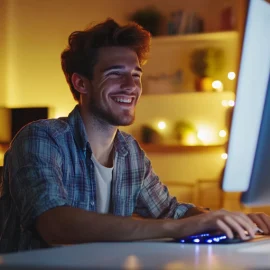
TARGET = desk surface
x,y
144,255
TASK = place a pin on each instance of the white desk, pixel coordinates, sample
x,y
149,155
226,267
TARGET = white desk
x,y
144,255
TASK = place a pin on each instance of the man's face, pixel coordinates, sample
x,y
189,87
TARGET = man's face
x,y
116,86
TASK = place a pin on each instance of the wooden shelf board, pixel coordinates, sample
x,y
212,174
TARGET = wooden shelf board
x,y
155,148
190,93
213,36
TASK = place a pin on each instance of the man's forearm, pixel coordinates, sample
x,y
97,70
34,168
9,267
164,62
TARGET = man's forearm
x,y
67,225
193,211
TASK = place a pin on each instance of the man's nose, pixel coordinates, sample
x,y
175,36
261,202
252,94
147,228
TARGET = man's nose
x,y
128,82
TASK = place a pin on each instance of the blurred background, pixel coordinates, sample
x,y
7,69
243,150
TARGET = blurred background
x,y
189,81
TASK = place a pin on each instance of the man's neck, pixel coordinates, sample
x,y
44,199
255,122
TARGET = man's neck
x,y
101,138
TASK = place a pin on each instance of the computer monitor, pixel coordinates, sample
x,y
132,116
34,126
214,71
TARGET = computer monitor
x,y
247,168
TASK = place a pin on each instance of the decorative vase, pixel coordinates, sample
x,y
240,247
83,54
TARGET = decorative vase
x,y
203,84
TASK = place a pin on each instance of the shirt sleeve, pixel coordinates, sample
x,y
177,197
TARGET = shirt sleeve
x,y
154,199
35,176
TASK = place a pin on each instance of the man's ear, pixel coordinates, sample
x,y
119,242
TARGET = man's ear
x,y
79,83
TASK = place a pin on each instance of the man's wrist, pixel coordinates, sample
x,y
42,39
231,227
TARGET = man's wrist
x,y
194,211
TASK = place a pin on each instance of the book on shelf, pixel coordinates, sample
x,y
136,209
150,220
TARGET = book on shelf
x,y
183,22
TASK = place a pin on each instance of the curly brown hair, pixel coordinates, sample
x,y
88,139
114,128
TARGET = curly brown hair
x,y
81,54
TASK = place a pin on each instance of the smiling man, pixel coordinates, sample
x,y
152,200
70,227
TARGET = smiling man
x,y
79,179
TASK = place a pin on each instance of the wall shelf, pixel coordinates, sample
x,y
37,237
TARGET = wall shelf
x,y
160,148
213,36
191,93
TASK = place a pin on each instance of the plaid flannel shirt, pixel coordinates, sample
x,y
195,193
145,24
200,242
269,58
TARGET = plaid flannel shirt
x,y
49,164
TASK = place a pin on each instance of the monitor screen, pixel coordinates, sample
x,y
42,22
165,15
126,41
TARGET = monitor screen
x,y
247,168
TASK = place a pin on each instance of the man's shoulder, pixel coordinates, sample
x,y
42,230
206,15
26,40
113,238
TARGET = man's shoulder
x,y
53,127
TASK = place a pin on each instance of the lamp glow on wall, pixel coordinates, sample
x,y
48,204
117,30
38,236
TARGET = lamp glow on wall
x,y
191,139
203,134
209,135
206,134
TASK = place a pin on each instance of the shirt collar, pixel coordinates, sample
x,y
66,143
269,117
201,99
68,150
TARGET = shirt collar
x,y
80,135
77,127
120,144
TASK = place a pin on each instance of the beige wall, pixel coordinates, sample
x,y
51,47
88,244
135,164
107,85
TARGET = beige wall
x,y
201,109
38,32
3,51
35,33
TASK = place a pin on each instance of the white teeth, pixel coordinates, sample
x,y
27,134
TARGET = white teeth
x,y
123,100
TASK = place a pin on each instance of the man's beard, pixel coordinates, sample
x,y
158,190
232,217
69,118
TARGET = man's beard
x,y
125,119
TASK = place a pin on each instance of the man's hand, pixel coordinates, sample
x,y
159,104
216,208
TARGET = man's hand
x,y
262,221
229,222
233,222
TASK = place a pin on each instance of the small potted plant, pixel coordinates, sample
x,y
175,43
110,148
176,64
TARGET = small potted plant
x,y
183,130
149,135
149,18
205,63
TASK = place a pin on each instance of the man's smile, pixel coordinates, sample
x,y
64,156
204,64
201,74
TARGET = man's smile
x,y
126,101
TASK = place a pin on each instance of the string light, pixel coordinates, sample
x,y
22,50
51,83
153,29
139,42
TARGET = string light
x,y
231,75
217,85
222,133
231,103
224,156
228,103
224,103
162,125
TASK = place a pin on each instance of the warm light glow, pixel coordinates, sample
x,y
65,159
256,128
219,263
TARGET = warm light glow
x,y
61,111
191,139
224,156
224,103
222,133
206,135
231,75
231,103
217,85
132,262
162,125
228,103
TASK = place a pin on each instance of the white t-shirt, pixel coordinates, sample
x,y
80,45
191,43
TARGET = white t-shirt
x,y
103,177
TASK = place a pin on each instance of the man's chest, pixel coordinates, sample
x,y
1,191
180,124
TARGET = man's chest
x,y
80,182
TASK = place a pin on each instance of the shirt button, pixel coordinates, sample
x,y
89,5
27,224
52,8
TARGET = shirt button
x,y
92,203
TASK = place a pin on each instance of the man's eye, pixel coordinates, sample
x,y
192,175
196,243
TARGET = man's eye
x,y
115,73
